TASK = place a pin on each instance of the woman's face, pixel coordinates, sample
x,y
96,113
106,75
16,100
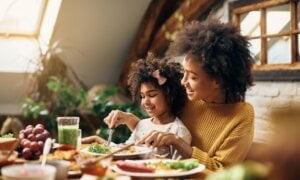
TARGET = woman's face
x,y
153,100
198,85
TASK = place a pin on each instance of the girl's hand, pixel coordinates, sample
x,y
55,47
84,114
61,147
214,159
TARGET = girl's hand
x,y
158,139
117,117
92,139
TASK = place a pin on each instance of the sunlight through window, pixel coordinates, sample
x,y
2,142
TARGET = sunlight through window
x,y
26,28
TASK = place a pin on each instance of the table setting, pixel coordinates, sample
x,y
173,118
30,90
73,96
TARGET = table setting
x,y
66,158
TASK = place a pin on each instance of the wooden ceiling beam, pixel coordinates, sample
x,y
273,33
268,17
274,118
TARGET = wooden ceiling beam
x,y
189,10
141,44
149,38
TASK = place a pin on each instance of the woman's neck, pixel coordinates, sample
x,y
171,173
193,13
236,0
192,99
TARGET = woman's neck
x,y
216,98
164,118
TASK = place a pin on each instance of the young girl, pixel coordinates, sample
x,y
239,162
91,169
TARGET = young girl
x,y
156,84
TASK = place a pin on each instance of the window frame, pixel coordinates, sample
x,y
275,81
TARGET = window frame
x,y
35,34
264,71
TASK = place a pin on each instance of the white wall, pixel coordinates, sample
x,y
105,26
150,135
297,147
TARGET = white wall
x,y
96,36
266,96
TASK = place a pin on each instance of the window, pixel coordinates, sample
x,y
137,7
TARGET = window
x,y
25,30
272,28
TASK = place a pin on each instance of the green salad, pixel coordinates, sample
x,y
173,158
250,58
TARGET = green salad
x,y
99,148
8,135
184,165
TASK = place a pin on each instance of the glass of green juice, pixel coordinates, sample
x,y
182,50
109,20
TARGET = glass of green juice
x,y
68,127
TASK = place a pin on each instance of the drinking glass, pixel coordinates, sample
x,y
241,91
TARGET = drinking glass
x,y
68,128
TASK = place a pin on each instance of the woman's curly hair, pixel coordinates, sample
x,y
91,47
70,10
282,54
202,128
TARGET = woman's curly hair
x,y
141,72
222,53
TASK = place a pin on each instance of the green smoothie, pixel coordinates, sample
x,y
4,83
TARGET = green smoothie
x,y
68,135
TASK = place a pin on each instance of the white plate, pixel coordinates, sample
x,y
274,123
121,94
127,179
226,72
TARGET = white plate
x,y
74,173
139,151
160,173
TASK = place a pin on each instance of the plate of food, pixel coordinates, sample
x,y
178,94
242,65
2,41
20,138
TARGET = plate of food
x,y
158,167
101,149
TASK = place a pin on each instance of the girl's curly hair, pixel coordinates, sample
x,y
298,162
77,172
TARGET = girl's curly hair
x,y
141,72
222,53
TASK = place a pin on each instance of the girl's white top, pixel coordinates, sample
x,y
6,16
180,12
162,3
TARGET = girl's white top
x,y
146,126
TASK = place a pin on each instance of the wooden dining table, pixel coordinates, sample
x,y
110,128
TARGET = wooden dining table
x,y
111,174
114,175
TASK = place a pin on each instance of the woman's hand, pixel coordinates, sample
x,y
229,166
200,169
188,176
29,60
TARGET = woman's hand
x,y
117,117
158,139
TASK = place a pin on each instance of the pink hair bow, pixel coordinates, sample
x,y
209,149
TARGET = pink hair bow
x,y
160,79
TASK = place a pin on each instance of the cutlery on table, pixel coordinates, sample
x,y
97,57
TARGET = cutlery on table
x,y
110,133
46,150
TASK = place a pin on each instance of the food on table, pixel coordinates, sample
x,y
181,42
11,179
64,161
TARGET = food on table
x,y
99,148
152,167
64,147
184,165
104,149
32,140
65,155
134,167
8,135
96,170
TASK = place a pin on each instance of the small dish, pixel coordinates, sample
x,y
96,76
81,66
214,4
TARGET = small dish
x,y
28,172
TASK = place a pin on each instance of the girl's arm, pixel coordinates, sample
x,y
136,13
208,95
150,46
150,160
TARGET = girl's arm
x,y
117,117
91,139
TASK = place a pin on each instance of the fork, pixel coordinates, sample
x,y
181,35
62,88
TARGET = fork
x,y
111,131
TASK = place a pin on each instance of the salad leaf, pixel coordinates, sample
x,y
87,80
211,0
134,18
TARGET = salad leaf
x,y
185,165
99,148
8,135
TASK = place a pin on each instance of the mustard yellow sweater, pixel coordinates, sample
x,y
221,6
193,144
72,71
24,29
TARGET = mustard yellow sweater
x,y
221,133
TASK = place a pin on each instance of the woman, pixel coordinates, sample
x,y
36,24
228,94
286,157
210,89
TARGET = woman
x,y
217,71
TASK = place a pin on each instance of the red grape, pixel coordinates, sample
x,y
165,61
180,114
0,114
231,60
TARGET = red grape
x,y
26,153
29,126
31,137
32,140
40,137
37,130
22,141
26,143
46,133
21,135
41,145
28,131
37,154
34,146
40,126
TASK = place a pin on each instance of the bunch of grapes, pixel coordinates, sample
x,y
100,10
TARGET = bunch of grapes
x,y
32,140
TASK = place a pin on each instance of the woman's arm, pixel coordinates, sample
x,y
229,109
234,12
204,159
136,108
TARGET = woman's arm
x,y
158,139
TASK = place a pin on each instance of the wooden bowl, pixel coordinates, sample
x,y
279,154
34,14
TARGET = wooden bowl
x,y
7,144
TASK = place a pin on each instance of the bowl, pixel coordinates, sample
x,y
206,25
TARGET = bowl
x,y
60,165
28,172
7,144
96,170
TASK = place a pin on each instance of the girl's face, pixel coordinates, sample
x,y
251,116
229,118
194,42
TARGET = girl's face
x,y
198,85
153,100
